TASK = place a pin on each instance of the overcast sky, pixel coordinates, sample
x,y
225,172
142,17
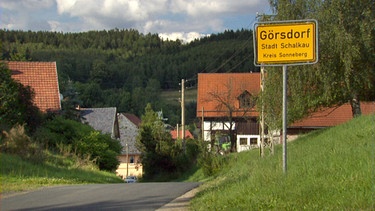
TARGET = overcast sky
x,y
183,19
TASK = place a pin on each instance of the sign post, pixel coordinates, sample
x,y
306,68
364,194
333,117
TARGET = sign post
x,y
282,43
285,117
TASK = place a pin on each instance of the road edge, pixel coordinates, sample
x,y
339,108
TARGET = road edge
x,y
181,203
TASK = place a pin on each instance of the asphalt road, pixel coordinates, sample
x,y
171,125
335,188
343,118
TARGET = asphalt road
x,y
136,196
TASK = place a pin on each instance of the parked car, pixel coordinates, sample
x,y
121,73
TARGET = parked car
x,y
130,179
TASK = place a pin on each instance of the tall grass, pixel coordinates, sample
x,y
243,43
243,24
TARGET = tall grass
x,y
332,169
17,174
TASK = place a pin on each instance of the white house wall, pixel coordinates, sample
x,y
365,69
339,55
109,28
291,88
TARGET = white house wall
x,y
247,146
212,126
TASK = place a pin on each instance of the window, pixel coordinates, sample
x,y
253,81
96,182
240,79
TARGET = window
x,y
245,100
253,141
131,159
243,141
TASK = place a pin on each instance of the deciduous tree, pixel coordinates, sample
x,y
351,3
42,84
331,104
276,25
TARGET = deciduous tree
x,y
16,102
345,71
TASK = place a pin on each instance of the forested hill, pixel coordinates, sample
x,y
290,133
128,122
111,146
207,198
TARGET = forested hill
x,y
107,67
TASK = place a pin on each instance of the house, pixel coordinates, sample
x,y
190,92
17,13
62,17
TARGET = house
x,y
121,126
43,79
224,95
101,119
177,134
226,101
130,158
327,117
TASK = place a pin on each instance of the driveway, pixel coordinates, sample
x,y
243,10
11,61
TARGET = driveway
x,y
136,196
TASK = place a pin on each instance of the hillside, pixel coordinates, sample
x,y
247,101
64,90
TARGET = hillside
x,y
21,175
331,169
126,69
173,97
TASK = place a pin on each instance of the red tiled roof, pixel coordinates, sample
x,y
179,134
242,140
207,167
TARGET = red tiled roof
x,y
221,83
328,117
42,78
187,134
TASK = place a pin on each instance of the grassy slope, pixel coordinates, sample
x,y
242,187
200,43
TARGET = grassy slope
x,y
20,175
332,169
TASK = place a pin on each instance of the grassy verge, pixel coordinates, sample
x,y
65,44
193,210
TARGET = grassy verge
x,y
331,169
20,175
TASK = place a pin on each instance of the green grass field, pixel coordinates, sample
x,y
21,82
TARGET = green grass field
x,y
20,175
331,169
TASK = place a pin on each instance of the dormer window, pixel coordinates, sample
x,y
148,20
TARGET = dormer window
x,y
246,100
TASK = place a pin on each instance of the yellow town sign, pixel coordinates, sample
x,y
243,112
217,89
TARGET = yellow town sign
x,y
281,43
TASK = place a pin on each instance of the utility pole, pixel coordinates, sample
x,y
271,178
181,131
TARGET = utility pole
x,y
178,131
127,158
183,114
202,123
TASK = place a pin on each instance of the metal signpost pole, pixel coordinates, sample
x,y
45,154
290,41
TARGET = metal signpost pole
x,y
262,144
285,83
282,43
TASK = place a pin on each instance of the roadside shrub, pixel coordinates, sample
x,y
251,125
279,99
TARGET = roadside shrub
x,y
68,137
163,159
108,161
184,161
100,147
60,130
66,158
17,142
209,161
192,149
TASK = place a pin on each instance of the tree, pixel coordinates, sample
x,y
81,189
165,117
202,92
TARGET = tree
x,y
91,94
345,71
152,91
232,106
70,102
101,74
16,102
155,144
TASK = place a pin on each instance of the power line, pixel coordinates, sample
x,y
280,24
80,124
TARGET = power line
x,y
236,52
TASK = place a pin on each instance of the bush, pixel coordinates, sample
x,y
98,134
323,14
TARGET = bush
x,y
192,149
101,147
61,130
209,161
84,140
17,142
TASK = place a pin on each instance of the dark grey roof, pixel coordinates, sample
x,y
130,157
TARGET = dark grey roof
x,y
133,118
128,132
102,119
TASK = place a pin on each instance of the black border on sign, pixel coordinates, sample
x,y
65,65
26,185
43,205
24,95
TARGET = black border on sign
x,y
288,63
